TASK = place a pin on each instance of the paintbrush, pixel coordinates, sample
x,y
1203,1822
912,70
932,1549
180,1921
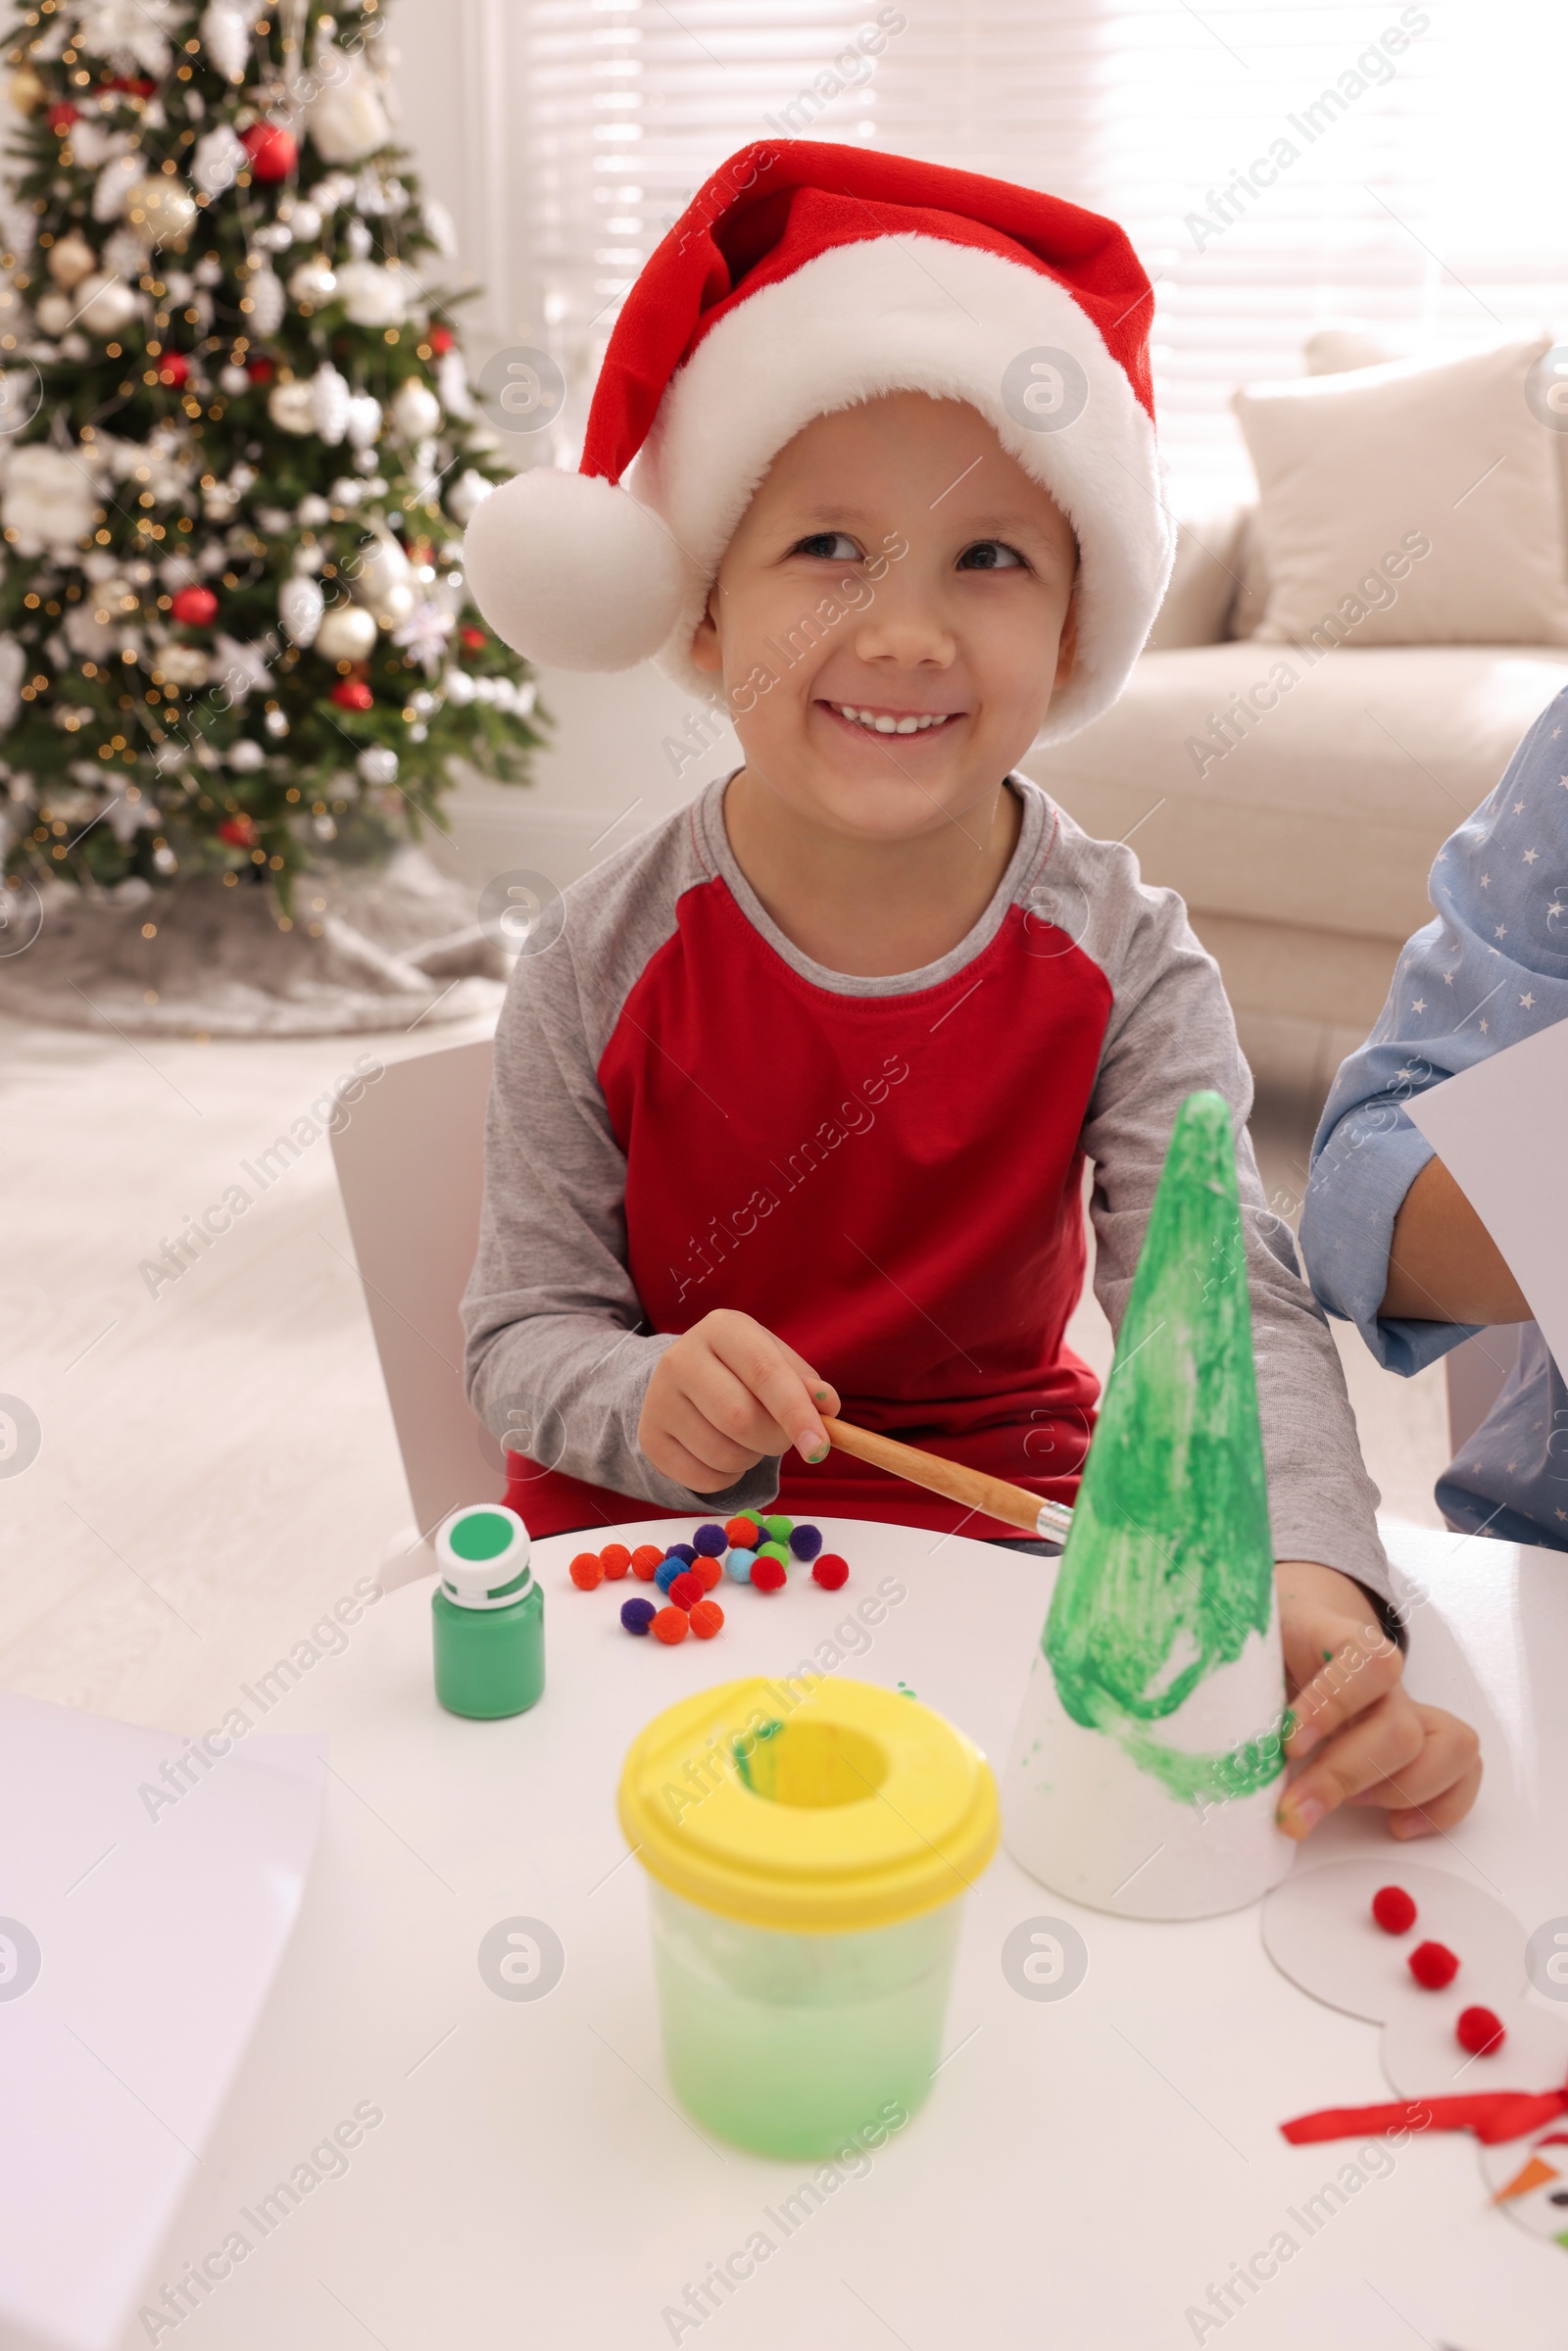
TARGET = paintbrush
x,y
1014,1506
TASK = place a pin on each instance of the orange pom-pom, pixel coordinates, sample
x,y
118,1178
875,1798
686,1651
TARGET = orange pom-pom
x,y
705,1619
586,1571
647,1560
742,1533
615,1559
672,1624
708,1569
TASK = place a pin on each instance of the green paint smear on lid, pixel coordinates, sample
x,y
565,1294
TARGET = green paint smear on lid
x,y
1168,1569
484,1536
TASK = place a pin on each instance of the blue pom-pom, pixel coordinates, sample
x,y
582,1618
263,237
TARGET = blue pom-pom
x,y
637,1615
739,1564
682,1552
711,1541
665,1573
805,1542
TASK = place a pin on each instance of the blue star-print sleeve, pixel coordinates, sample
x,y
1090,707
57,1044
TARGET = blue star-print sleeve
x,y
1489,969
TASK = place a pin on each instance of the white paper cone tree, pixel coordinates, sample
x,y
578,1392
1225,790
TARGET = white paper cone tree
x,y
1146,1763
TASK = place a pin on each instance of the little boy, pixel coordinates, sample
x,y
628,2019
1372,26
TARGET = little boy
x,y
792,1116
1390,1240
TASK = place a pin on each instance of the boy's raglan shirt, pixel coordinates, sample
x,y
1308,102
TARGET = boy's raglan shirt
x,y
1489,970
688,1113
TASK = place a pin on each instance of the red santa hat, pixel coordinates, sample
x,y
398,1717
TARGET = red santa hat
x,y
801,280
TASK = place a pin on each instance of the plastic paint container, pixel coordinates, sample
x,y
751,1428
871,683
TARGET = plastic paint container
x,y
810,1844
489,1615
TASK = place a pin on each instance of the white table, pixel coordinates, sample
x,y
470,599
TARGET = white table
x,y
1084,2170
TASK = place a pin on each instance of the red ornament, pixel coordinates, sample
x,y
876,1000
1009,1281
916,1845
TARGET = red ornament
x,y
1433,1965
1394,1910
441,340
195,607
61,116
474,638
259,370
1479,2030
353,694
137,89
173,368
238,829
273,149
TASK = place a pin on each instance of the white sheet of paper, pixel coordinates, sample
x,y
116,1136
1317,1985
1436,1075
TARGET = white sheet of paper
x,y
1501,1131
137,1947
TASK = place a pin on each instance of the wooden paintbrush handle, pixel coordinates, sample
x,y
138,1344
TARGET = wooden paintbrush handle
x,y
1014,1506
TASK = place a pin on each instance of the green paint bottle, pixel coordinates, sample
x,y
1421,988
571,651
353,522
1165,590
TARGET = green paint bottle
x,y
489,1615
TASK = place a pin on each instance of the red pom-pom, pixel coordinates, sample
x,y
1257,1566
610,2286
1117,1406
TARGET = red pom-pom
x,y
261,369
647,1560
1394,1910
240,830
586,1570
1479,2030
1433,1965
615,1559
195,607
686,1589
61,116
273,149
671,1624
708,1568
768,1574
441,340
742,1533
830,1571
352,694
707,1617
173,368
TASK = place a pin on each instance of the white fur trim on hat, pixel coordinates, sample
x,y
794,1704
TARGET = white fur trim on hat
x,y
914,314
569,570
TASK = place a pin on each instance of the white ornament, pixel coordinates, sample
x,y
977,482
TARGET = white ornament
x,y
458,687
183,665
115,183
425,634
347,635
314,281
265,293
50,496
440,228
347,120
452,381
300,608
246,755
233,382
312,512
131,32
209,271
291,406
357,236
226,38
373,296
105,304
376,766
275,724
275,237
416,410
305,221
55,312
364,420
159,211
383,577
333,191
467,495
330,402
72,259
242,668
12,670
219,160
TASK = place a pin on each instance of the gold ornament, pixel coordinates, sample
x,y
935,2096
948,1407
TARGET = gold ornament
x,y
27,91
71,260
159,211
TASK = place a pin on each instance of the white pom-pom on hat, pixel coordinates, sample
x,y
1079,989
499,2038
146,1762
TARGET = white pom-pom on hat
x,y
573,572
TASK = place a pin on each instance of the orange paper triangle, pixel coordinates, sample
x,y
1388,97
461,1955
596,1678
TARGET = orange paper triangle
x,y
1535,2174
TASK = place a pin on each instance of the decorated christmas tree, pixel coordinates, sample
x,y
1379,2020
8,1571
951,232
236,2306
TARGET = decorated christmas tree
x,y
241,448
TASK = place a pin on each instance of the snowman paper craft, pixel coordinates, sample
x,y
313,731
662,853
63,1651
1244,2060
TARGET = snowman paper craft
x,y
1318,1929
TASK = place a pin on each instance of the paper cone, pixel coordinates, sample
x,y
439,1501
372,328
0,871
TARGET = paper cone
x,y
1147,1764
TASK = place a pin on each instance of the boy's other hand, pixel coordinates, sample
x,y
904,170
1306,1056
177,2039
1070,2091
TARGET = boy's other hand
x,y
1368,1741
726,1394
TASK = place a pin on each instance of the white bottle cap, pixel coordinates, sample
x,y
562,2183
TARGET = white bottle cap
x,y
482,1557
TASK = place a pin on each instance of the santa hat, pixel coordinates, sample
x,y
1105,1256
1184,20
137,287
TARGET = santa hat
x,y
801,279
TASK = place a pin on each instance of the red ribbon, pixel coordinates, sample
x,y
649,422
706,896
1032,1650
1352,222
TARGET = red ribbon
x,y
1493,2115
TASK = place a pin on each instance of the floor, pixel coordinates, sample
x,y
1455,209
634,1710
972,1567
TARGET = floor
x,y
216,1461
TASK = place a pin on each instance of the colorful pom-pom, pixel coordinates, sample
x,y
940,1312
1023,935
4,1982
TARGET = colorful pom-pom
x,y
586,1570
637,1615
646,1560
710,1538
1479,2030
685,1553
740,1564
667,1571
709,1568
778,1530
805,1542
742,1533
707,1619
615,1559
775,1550
687,1588
769,1573
830,1571
1433,1965
671,1624
1394,1910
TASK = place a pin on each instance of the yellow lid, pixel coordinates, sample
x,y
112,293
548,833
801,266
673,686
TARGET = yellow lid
x,y
816,1805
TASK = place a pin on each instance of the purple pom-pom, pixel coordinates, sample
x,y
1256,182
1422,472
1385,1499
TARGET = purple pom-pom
x,y
680,1551
805,1542
710,1540
637,1615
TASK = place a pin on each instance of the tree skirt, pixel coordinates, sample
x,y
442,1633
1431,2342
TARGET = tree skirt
x,y
370,949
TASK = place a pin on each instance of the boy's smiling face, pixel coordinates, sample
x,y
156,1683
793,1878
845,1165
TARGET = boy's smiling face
x,y
898,563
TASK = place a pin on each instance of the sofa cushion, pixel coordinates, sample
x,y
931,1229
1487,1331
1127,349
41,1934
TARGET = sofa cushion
x,y
1324,810
1204,580
1410,504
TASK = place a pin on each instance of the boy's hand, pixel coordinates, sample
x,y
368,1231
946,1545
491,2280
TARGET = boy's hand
x,y
1368,1740
724,1394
